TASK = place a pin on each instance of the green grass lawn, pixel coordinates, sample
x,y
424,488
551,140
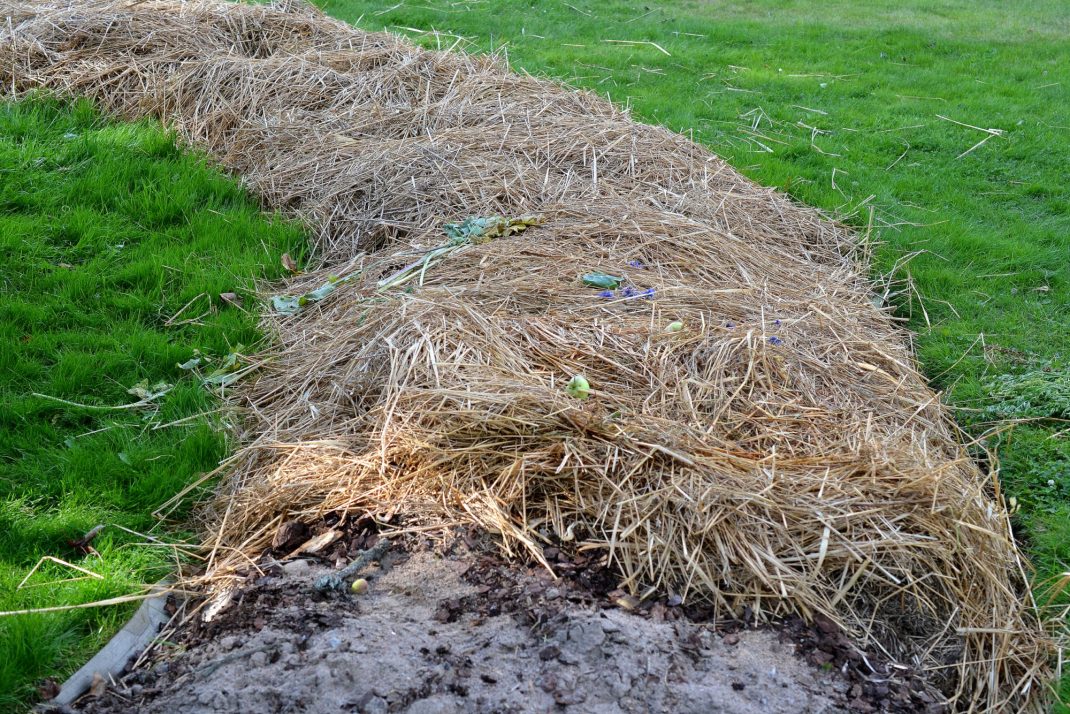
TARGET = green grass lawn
x,y
106,232
840,103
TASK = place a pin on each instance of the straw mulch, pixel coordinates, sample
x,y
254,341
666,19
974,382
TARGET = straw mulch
x,y
780,451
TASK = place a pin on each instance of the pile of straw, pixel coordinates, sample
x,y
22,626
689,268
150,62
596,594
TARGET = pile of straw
x,y
779,451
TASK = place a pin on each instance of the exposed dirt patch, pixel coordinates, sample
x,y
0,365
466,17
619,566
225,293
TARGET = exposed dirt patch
x,y
458,629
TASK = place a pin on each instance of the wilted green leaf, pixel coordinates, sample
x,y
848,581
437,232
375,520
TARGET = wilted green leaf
x,y
221,379
229,371
323,290
286,304
145,393
292,304
479,229
602,280
191,363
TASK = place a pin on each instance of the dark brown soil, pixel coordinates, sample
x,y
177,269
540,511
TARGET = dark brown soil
x,y
453,627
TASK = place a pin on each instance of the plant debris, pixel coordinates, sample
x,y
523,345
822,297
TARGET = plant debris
x,y
229,370
337,581
289,264
147,393
471,231
602,280
292,304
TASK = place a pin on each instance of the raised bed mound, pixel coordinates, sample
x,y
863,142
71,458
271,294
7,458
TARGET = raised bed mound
x,y
755,434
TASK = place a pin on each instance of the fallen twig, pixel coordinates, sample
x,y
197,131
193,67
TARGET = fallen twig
x,y
338,581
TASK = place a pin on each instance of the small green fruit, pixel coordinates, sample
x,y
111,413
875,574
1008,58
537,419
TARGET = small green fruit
x,y
675,326
578,387
359,586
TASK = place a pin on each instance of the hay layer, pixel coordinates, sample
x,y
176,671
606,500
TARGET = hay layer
x,y
779,452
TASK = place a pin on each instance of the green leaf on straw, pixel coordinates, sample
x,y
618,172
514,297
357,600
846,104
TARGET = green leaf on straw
x,y
602,280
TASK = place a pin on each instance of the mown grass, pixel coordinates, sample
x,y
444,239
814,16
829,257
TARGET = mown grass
x,y
106,231
838,102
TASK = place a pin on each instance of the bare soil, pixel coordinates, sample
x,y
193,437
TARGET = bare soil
x,y
458,630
